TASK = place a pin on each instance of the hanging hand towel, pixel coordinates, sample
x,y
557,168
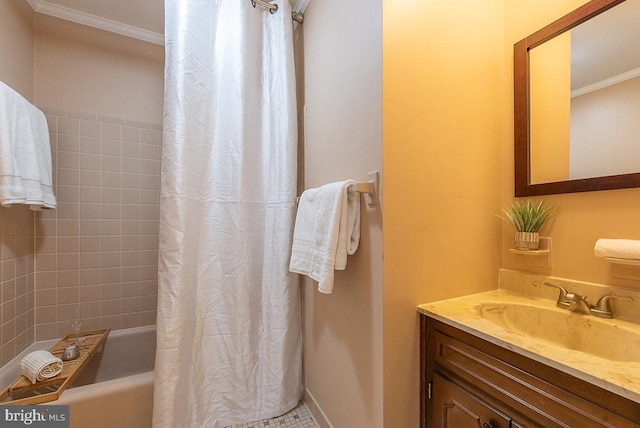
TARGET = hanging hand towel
x,y
617,248
40,365
25,153
327,229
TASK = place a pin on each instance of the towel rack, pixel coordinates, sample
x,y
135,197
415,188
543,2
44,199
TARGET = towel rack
x,y
368,188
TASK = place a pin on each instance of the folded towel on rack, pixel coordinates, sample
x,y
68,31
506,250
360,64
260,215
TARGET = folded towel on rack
x,y
327,230
617,248
25,153
40,365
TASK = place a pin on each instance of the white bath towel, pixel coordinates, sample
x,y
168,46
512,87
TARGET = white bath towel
x,y
617,248
327,230
25,153
40,365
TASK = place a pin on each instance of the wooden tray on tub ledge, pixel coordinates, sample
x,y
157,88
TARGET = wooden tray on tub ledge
x,y
22,391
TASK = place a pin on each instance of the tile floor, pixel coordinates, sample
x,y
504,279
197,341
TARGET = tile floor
x,y
296,418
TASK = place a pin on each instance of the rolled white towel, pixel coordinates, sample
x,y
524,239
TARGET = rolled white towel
x,y
40,365
618,248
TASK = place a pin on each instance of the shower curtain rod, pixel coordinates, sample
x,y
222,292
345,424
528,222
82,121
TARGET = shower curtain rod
x,y
273,8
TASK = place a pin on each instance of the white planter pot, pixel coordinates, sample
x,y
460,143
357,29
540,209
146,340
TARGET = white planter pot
x,y
527,240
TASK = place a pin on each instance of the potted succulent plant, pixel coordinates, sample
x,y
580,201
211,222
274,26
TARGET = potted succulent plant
x,y
528,217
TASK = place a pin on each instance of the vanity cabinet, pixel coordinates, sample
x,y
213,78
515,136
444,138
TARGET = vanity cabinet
x,y
454,408
467,381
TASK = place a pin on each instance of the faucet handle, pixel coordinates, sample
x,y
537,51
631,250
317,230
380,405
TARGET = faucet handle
x,y
562,302
603,307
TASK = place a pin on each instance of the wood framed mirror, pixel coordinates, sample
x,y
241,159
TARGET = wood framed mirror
x,y
551,87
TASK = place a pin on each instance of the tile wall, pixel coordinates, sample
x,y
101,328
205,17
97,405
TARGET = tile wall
x,y
17,280
97,252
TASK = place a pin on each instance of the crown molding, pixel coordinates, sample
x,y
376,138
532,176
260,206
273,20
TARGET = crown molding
x,y
607,82
46,8
33,3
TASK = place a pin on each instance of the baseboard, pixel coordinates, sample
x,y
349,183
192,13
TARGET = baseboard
x,y
315,410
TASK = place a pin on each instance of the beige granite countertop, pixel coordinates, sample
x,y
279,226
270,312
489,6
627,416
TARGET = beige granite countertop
x,y
621,377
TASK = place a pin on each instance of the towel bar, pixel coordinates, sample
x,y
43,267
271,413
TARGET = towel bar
x,y
365,187
368,188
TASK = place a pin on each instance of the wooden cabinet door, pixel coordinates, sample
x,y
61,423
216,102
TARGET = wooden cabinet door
x,y
453,407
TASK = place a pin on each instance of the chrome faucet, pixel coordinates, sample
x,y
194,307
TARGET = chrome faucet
x,y
571,301
562,302
579,303
603,307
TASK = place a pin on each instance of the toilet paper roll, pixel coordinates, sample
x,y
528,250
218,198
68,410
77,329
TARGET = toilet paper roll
x,y
40,365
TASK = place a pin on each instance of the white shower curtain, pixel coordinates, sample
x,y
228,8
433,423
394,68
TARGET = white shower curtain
x,y
229,333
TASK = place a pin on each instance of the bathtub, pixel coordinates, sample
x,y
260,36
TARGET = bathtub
x,y
116,388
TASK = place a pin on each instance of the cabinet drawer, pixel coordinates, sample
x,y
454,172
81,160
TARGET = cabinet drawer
x,y
532,397
455,408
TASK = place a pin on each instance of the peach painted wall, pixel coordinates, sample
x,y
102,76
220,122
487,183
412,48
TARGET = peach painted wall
x,y
84,69
16,223
343,330
443,108
16,46
583,217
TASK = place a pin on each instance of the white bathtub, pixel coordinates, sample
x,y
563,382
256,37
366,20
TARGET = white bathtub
x,y
116,388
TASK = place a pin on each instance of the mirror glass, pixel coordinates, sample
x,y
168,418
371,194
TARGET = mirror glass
x,y
585,99
577,102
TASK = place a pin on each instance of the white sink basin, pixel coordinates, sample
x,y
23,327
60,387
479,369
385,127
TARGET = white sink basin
x,y
611,339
